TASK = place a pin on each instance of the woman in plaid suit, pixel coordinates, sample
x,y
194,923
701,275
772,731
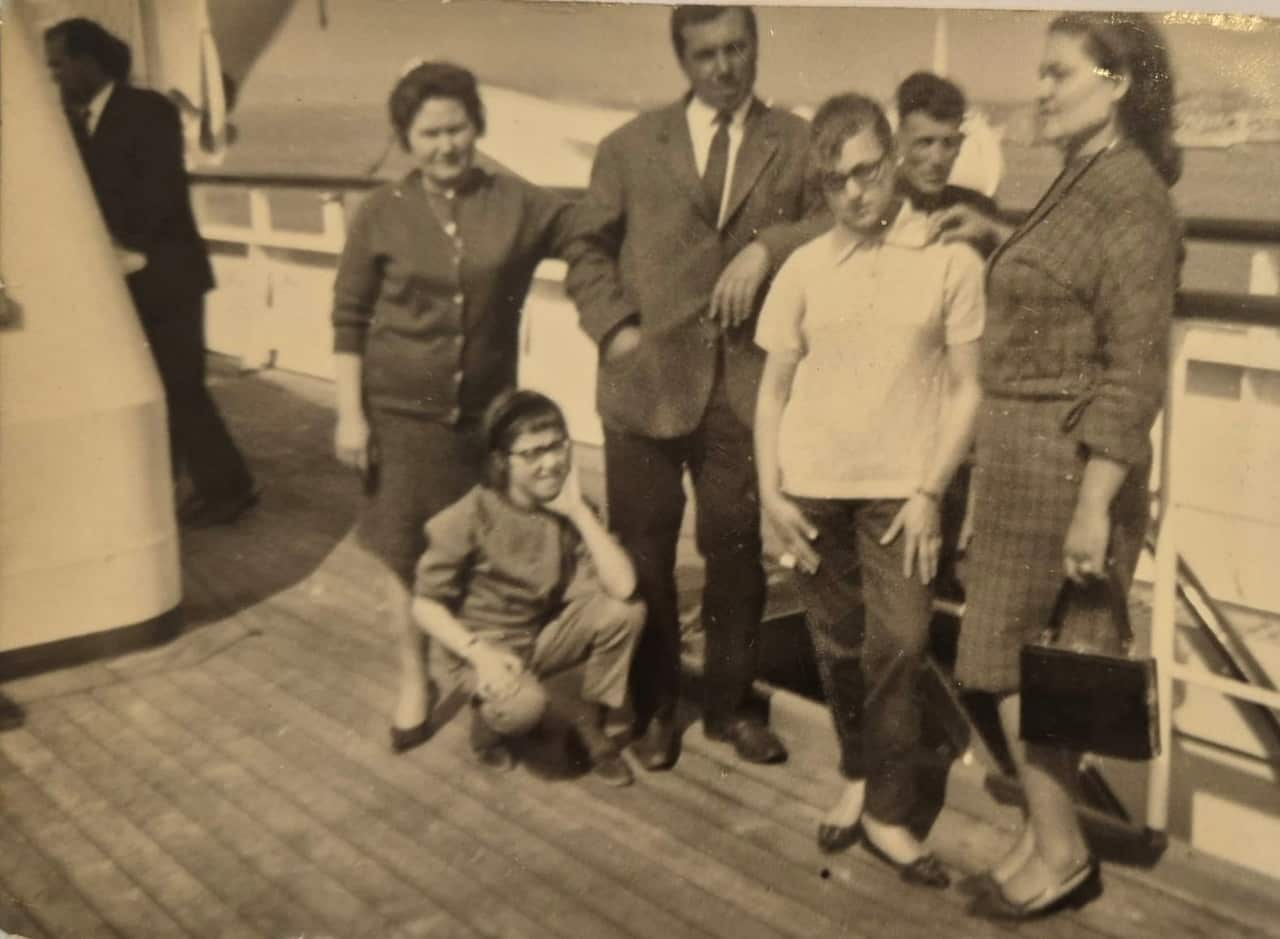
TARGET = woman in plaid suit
x,y
1073,372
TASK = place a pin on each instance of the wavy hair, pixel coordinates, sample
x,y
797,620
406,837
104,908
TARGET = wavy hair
x,y
1130,45
433,80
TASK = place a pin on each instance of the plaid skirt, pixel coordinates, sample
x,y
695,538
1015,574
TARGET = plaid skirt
x,y
1027,476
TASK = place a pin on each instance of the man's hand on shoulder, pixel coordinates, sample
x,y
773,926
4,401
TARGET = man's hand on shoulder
x,y
963,222
735,292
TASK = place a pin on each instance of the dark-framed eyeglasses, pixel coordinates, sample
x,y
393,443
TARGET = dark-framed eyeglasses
x,y
864,174
534,454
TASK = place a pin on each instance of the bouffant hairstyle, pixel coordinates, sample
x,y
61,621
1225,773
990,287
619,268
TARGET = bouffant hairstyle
x,y
837,120
433,80
83,38
514,412
942,100
1129,45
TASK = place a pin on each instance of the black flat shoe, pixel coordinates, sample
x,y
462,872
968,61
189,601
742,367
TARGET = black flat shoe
x,y
832,839
406,738
1081,886
924,871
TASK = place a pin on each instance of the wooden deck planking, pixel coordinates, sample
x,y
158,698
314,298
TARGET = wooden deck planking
x,y
237,783
286,844
357,703
684,811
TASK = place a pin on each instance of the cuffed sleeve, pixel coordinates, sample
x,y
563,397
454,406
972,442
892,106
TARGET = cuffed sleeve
x,y
598,224
1141,252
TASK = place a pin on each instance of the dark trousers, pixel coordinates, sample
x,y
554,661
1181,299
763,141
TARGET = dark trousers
x,y
870,663
198,438
646,504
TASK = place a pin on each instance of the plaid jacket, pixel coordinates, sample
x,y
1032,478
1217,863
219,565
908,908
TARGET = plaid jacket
x,y
1080,299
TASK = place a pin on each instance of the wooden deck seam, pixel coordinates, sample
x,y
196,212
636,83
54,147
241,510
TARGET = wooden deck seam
x,y
481,864
340,726
371,696
102,861
256,786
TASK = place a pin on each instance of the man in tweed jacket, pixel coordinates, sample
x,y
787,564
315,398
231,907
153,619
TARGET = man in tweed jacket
x,y
685,218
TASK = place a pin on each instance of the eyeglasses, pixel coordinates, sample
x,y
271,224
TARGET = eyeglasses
x,y
534,454
864,174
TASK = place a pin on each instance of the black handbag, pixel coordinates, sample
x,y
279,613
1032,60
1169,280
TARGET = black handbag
x,y
1086,700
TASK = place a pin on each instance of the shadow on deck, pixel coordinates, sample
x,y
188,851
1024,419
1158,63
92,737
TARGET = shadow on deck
x,y
236,782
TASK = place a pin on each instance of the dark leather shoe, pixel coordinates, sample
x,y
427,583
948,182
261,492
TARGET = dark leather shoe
x,y
754,742
658,747
197,511
924,871
612,770
406,738
975,885
496,757
1080,887
832,839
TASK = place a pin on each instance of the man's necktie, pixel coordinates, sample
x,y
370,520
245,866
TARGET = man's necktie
x,y
713,179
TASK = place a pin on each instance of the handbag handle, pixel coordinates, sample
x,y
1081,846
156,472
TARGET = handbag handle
x,y
1117,603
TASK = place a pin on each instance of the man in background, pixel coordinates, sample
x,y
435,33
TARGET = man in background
x,y
930,112
131,142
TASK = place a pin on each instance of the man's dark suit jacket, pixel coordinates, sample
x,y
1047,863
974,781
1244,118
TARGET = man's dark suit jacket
x,y
647,250
135,163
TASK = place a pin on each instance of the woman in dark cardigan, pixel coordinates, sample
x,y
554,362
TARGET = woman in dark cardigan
x,y
426,321
1073,373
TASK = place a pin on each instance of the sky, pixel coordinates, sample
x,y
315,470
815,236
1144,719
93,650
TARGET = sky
x,y
621,54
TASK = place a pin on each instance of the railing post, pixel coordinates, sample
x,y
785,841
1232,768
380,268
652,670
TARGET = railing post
x,y
1165,592
258,351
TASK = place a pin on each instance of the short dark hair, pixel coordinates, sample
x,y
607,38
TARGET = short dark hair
x,y
514,412
1130,45
84,38
838,119
937,97
695,13
433,80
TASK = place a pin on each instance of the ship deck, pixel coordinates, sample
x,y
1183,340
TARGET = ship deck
x,y
236,782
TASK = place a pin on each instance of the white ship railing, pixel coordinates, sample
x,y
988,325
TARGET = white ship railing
x,y
1237,330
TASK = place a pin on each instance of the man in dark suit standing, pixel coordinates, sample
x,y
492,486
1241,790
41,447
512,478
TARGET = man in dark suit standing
x,y
131,143
687,214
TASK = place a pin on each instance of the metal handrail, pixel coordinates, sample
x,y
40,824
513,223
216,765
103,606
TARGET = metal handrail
x,y
1235,308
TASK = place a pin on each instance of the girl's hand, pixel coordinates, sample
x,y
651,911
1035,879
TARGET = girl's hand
x,y
497,670
794,530
920,521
